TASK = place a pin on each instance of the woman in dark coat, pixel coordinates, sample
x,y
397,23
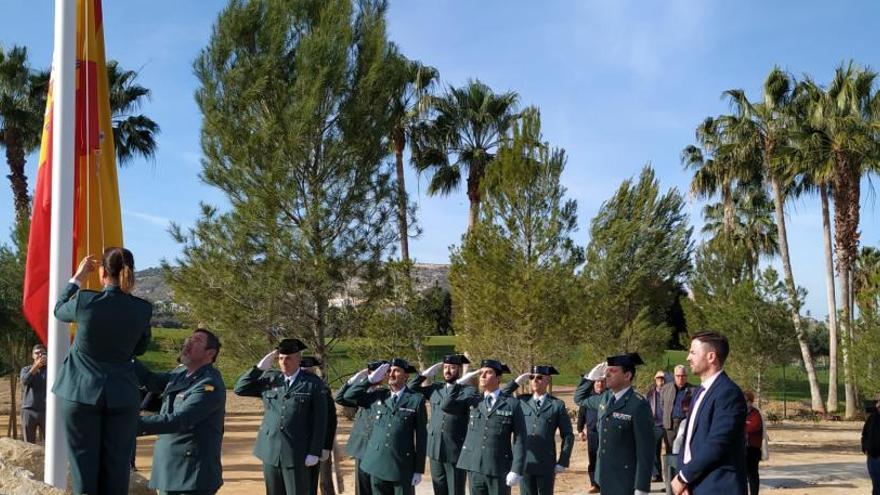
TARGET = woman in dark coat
x,y
97,385
871,446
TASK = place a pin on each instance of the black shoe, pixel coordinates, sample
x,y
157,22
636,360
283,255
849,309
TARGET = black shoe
x,y
657,479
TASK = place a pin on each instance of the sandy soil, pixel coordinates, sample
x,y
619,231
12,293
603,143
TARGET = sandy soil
x,y
806,458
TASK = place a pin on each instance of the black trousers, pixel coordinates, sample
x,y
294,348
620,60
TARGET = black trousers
x,y
383,487
483,484
286,481
753,457
536,485
100,440
31,420
659,437
362,483
592,455
446,478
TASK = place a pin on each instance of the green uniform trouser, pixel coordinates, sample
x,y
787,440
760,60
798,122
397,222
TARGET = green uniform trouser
x,y
482,484
446,478
286,481
536,485
99,445
382,487
362,484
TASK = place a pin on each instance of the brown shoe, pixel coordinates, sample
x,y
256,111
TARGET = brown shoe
x,y
593,489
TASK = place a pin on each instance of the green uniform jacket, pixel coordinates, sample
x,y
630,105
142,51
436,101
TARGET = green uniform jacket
x,y
396,448
112,328
447,431
496,440
360,430
542,425
295,419
186,456
626,440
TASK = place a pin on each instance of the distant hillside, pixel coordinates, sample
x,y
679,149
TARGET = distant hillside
x,y
152,287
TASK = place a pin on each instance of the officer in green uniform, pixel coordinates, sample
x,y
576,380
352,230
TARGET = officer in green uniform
x,y
292,435
544,416
493,453
186,457
626,428
97,383
360,430
447,431
310,364
395,453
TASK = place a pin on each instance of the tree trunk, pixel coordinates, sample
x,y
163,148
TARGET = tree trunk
x,y
399,143
832,302
15,158
846,327
815,393
727,201
12,427
473,185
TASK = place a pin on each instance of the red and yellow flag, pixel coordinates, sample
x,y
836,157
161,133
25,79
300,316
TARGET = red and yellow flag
x,y
97,220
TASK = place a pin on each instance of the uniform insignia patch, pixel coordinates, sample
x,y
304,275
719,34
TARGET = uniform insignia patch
x,y
407,409
505,413
624,417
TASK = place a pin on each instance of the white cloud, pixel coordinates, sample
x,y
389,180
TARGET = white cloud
x,y
156,220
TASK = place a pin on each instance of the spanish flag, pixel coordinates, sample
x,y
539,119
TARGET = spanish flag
x,y
97,221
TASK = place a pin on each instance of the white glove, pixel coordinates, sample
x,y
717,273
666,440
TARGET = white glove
x,y
311,460
379,374
267,360
521,380
559,469
512,478
417,478
639,492
467,377
597,373
432,371
325,454
360,375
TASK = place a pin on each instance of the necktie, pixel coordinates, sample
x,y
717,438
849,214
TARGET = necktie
x,y
538,403
489,400
612,401
393,400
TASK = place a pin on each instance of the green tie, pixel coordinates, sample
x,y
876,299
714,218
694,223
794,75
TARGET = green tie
x,y
393,401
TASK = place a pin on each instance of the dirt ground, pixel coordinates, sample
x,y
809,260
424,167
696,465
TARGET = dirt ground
x,y
806,458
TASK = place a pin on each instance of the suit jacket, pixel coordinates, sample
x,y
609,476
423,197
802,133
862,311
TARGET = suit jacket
x,y
186,456
34,389
496,439
295,419
542,423
447,431
717,442
112,328
667,393
397,444
626,439
362,427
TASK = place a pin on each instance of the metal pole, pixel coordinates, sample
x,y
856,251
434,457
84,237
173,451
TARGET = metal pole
x,y
61,251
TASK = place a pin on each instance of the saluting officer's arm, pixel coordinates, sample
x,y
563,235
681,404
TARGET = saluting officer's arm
x,y
584,396
359,394
509,388
65,307
153,382
563,424
200,403
340,396
459,400
252,383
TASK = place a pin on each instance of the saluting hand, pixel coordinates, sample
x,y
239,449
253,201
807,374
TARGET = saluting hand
x,y
360,375
467,377
379,374
85,268
521,380
432,371
267,360
597,373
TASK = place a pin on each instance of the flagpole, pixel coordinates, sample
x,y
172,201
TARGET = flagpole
x,y
61,249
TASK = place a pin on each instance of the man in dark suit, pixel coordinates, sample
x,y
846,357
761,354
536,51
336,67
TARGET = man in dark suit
x,y
186,457
360,431
33,402
292,435
447,431
395,454
712,458
676,395
587,427
312,365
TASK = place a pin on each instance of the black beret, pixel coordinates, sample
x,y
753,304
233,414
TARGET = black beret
x,y
458,359
290,346
499,367
374,365
544,369
403,363
310,362
628,361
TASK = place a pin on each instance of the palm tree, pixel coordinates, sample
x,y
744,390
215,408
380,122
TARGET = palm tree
x,y
866,280
20,122
717,171
413,83
762,128
844,138
134,134
468,124
751,231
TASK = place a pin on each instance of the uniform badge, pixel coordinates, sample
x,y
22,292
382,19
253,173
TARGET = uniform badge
x,y
621,416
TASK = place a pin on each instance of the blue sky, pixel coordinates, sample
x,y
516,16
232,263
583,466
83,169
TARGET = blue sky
x,y
619,83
